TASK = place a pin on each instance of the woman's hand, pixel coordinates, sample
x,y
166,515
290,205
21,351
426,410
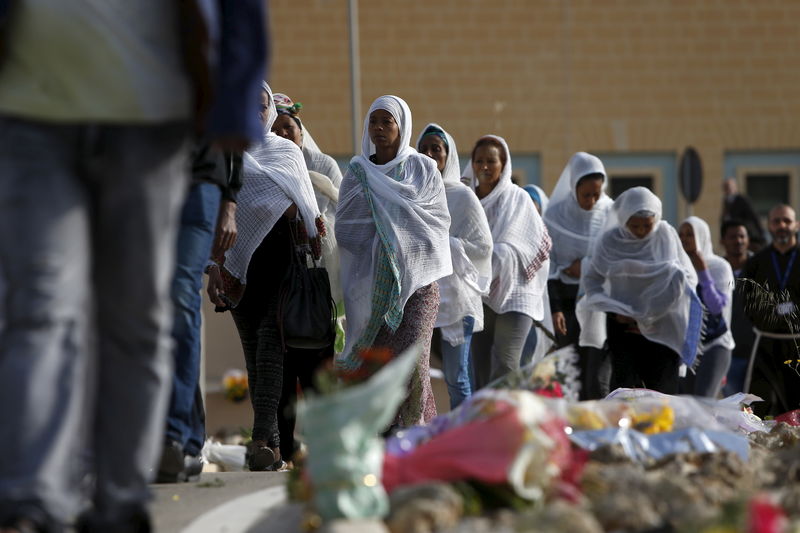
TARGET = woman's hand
x,y
215,287
226,228
574,270
622,319
560,323
291,212
697,260
630,322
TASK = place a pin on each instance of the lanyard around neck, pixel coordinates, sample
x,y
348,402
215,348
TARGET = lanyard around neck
x,y
783,277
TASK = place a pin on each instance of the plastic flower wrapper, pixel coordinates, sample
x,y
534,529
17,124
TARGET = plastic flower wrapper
x,y
345,454
555,376
501,437
235,386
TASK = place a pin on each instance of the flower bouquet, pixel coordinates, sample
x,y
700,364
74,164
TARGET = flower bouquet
x,y
497,437
344,464
234,385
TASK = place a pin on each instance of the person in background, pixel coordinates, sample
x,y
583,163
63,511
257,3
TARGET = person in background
x,y
392,229
207,218
715,289
642,279
770,284
737,207
520,261
325,177
300,365
541,337
276,201
316,160
734,239
94,138
575,218
461,309
540,199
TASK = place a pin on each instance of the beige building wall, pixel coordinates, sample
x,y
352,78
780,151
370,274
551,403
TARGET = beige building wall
x,y
552,77
557,76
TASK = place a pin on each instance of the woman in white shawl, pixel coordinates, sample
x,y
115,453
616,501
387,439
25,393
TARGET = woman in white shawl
x,y
461,309
576,215
519,262
276,200
326,186
715,289
641,277
392,229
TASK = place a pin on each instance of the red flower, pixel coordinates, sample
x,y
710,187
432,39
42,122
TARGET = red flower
x,y
766,517
551,390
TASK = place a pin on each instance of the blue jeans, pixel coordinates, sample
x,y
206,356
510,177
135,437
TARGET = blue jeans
x,y
185,420
530,347
88,220
456,366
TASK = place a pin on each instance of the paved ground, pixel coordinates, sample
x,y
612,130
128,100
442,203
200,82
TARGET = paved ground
x,y
226,502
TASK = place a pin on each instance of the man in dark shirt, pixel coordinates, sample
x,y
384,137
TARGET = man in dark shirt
x,y
735,241
771,288
210,204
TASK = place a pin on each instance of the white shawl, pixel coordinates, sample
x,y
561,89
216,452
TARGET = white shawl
x,y
521,245
572,228
720,271
471,251
411,214
274,175
650,280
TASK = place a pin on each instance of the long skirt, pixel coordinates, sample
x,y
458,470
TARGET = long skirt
x,y
419,317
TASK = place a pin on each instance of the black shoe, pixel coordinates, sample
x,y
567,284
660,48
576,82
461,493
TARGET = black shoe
x,y
133,520
171,466
262,458
192,467
30,519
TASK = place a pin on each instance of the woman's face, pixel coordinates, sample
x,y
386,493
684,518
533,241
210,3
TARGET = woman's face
x,y
286,127
262,114
588,192
487,165
686,234
433,146
640,226
384,132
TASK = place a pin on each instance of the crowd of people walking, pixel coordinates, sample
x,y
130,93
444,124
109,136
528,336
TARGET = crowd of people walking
x,y
104,238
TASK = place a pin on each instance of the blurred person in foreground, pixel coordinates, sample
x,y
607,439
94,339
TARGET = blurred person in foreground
x,y
736,206
771,287
735,241
97,102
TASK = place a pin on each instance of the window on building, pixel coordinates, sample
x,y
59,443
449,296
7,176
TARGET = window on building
x,y
618,184
767,189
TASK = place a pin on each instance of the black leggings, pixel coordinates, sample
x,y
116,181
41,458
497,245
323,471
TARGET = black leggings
x,y
263,356
638,362
299,365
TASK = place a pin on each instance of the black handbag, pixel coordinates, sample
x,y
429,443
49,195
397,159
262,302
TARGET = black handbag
x,y
306,310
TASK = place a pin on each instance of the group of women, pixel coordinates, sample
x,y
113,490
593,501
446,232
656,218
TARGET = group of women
x,y
413,242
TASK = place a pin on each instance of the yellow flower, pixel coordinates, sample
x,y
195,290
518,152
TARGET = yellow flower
x,y
787,362
657,421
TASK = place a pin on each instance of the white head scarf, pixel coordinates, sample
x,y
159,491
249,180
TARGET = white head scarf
x,y
521,245
470,248
650,280
721,273
399,206
572,228
274,176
